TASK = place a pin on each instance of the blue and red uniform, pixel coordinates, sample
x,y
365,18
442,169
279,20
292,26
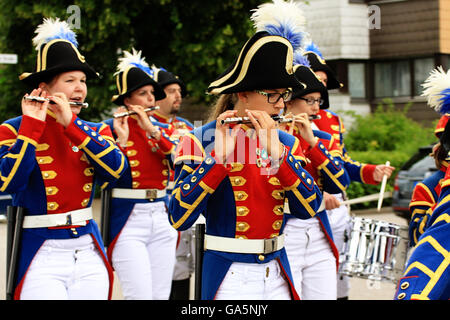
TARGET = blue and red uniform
x,y
240,200
149,168
332,123
427,272
423,201
324,163
49,169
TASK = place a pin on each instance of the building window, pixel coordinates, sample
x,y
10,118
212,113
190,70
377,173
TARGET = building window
x,y
422,69
357,80
392,79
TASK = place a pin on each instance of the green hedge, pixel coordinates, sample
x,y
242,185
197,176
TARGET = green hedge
x,y
385,135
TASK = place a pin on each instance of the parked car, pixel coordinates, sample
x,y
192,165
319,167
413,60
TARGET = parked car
x,y
417,168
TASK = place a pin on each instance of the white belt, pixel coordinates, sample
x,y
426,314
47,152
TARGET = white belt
x,y
71,218
253,246
150,194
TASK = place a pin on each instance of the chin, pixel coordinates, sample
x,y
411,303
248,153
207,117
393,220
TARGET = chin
x,y
76,110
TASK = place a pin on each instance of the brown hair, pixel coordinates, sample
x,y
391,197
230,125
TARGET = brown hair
x,y
223,103
439,155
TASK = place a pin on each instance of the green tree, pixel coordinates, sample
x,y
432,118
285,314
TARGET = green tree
x,y
386,134
195,39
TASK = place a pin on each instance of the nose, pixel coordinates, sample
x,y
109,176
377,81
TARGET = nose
x,y
280,104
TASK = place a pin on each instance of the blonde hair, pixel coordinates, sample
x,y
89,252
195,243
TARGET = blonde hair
x,y
223,103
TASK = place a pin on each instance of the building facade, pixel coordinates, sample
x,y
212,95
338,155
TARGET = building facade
x,y
381,50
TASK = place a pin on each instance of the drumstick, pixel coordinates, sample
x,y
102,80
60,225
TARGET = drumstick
x,y
383,186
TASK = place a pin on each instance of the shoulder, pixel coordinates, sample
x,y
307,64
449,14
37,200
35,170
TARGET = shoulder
x,y
187,122
322,135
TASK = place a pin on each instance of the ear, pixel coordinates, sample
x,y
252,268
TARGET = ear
x,y
126,102
243,96
42,85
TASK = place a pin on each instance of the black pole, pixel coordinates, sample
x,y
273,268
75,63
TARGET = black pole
x,y
11,217
15,250
199,249
105,212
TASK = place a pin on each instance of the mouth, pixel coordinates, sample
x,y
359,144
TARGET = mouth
x,y
76,99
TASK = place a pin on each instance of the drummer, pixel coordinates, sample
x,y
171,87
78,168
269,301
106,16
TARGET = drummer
x,y
427,272
426,193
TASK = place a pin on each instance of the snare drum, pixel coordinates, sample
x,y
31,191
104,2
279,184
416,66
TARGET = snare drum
x,y
375,250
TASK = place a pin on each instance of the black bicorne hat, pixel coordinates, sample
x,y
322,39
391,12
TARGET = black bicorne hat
x,y
265,62
164,78
134,73
57,52
319,64
312,82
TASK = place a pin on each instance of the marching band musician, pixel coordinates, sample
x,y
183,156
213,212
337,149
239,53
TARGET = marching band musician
x,y
169,107
50,162
331,122
239,175
427,272
142,250
426,193
311,251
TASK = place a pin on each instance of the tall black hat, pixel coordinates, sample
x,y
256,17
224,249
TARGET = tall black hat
x,y
56,45
318,63
133,73
265,61
164,78
313,84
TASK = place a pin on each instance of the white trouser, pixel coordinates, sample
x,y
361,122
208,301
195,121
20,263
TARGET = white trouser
x,y
144,254
312,262
250,281
340,221
68,269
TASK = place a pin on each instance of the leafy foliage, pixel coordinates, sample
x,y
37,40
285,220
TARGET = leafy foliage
x,y
195,39
386,134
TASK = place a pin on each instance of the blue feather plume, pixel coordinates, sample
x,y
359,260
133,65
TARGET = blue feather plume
x,y
445,100
300,59
286,31
52,29
312,47
281,18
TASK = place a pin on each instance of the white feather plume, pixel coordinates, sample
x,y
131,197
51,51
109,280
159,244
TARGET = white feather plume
x,y
133,59
437,89
52,29
280,15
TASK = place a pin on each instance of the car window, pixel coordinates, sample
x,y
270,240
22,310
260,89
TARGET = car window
x,y
422,166
421,154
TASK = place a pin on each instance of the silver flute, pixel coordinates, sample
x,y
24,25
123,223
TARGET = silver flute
x,y
279,119
129,113
42,99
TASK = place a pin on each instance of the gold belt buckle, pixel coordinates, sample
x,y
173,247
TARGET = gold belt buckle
x,y
151,194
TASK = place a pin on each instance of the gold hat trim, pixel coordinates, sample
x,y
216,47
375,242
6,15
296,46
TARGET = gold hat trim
x,y
256,46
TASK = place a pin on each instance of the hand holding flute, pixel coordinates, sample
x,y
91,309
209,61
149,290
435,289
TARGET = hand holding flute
x,y
37,104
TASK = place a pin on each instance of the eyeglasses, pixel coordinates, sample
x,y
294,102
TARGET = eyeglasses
x,y
311,101
274,97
